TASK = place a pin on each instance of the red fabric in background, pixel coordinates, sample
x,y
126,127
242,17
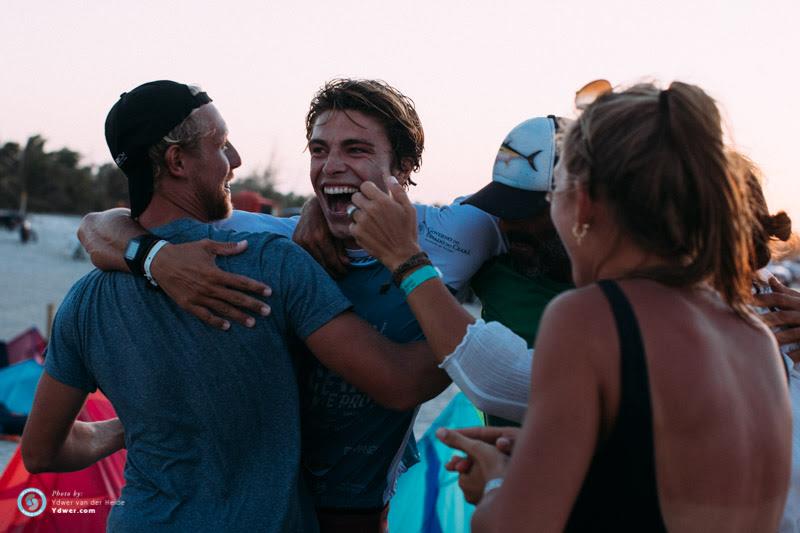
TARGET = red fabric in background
x,y
102,481
27,345
252,201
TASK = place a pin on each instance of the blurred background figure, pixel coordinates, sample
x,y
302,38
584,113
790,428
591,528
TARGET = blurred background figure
x,y
780,310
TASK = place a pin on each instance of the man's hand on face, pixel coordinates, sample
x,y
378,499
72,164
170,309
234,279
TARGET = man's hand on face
x,y
385,224
189,275
313,234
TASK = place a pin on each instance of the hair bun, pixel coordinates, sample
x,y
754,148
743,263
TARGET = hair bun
x,y
780,226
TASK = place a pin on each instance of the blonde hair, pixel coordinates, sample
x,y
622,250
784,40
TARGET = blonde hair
x,y
187,134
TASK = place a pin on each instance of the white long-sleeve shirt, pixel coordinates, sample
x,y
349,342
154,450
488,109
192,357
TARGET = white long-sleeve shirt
x,y
492,366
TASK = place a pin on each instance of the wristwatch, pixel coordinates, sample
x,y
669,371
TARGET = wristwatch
x,y
137,251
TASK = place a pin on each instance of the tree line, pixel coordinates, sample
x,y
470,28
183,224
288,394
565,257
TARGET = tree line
x,y
37,180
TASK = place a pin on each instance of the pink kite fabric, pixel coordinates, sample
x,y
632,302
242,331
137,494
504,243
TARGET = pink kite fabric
x,y
76,501
27,345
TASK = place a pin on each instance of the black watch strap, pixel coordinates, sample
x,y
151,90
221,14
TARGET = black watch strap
x,y
135,258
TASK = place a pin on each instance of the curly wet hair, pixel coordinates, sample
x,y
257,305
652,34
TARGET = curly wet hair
x,y
380,100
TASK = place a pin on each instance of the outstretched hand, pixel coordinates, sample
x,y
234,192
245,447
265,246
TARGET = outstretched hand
x,y
189,275
485,461
385,225
503,438
786,317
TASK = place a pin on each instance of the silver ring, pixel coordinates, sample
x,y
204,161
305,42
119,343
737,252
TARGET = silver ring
x,y
350,210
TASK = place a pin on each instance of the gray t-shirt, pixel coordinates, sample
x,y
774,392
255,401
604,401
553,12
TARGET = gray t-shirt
x,y
211,418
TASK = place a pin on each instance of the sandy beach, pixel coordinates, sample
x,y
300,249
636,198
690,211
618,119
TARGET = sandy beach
x,y
37,273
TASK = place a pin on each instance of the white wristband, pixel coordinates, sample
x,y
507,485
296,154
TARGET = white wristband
x,y
149,261
492,484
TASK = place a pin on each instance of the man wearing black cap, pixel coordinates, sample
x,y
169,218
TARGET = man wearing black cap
x,y
132,128
211,418
354,447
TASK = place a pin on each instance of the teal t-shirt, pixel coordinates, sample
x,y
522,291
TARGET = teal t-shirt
x,y
211,417
353,448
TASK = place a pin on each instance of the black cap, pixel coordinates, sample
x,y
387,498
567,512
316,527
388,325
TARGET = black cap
x,y
140,119
522,173
508,203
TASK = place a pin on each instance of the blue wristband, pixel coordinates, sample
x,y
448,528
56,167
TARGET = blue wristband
x,y
418,277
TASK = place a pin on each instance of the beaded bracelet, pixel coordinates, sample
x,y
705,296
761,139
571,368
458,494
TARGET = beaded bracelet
x,y
409,264
418,277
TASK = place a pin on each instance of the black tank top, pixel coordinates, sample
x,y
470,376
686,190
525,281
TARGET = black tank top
x,y
620,491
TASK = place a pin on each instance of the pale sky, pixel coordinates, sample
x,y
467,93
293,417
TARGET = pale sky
x,y
473,70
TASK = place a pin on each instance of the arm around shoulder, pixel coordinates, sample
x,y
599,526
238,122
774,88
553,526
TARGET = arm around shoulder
x,y
397,376
104,235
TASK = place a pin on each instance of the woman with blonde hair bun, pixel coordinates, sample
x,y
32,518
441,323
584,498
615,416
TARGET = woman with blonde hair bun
x,y
658,401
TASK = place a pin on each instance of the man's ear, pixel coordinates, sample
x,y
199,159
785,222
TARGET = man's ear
x,y
173,160
403,174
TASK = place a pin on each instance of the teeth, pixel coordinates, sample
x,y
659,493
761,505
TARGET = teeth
x,y
339,190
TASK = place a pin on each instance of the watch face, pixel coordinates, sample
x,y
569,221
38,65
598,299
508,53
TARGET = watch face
x,y
133,247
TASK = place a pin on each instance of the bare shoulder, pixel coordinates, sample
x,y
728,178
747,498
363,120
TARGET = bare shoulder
x,y
582,304
580,323
578,342
692,322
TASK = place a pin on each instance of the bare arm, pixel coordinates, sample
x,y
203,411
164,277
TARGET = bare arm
x,y
314,235
104,235
53,441
443,320
186,272
397,376
386,227
554,448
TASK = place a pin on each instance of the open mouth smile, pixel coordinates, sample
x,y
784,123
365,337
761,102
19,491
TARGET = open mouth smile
x,y
338,197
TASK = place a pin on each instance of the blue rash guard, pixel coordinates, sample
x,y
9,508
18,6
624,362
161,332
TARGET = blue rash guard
x,y
353,449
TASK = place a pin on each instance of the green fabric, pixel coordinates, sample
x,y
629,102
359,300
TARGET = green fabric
x,y
514,300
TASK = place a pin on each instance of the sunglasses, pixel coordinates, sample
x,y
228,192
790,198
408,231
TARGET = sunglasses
x,y
591,92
